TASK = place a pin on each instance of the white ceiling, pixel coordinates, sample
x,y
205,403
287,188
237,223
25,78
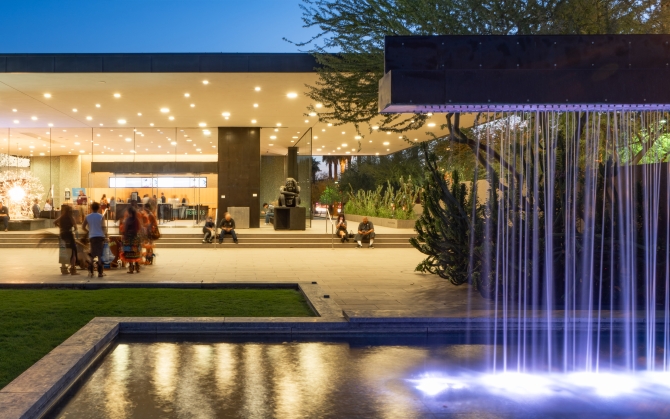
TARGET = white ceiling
x,y
51,124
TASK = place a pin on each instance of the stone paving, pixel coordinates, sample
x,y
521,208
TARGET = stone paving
x,y
382,281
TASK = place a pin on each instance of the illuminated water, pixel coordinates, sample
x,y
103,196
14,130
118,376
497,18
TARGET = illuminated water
x,y
409,377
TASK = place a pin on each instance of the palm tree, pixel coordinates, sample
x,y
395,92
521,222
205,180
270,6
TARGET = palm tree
x,y
332,162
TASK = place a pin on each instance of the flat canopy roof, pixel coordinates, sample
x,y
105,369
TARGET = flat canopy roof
x,y
93,103
158,63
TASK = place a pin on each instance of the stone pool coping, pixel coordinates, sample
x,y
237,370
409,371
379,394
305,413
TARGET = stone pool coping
x,y
34,392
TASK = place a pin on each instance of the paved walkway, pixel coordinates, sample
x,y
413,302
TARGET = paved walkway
x,y
381,280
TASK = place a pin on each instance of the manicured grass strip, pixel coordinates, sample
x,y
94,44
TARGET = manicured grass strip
x,y
33,322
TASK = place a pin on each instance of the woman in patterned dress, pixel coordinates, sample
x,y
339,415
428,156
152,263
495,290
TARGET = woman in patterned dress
x,y
131,250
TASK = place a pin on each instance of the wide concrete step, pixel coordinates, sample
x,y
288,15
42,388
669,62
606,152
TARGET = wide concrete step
x,y
242,245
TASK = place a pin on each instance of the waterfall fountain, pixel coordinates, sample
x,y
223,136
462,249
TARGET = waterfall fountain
x,y
573,244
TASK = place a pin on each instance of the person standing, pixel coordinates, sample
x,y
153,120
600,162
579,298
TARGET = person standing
x,y
4,215
131,251
67,225
36,208
112,208
227,226
94,224
365,230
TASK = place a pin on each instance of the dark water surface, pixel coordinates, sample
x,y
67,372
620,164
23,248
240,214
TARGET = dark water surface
x,y
345,378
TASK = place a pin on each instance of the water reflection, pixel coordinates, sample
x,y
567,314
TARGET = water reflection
x,y
337,379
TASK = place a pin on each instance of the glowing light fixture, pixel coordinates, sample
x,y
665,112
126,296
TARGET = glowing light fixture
x,y
225,114
432,124
74,109
171,118
193,105
312,114
129,139
187,95
205,82
34,118
117,95
318,106
253,121
121,121
17,193
258,89
255,105
273,137
292,95
97,105
165,110
202,124
173,143
47,95
88,118
386,143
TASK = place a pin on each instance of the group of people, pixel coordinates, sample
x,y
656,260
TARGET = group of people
x,y
138,229
366,232
227,226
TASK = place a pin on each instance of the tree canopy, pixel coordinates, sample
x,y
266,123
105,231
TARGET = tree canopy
x,y
349,45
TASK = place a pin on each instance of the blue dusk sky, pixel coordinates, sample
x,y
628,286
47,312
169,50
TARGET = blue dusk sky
x,y
56,26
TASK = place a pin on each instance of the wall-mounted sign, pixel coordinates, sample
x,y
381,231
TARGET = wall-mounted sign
x,y
158,182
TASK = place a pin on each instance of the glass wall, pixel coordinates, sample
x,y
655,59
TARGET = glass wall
x,y
275,167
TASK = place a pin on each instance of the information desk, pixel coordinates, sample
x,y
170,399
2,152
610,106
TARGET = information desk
x,y
290,218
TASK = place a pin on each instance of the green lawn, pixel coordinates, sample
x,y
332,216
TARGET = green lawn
x,y
33,322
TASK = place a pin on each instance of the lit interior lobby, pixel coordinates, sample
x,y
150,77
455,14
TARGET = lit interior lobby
x,y
216,139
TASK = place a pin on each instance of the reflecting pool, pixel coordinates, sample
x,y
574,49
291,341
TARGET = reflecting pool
x,y
407,377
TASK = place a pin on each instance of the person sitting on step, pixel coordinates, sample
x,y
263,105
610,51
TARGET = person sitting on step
x,y
209,229
365,231
227,226
341,227
269,211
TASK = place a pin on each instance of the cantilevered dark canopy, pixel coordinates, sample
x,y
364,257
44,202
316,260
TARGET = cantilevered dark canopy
x,y
475,73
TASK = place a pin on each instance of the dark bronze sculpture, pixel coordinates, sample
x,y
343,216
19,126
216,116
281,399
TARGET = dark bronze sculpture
x,y
289,194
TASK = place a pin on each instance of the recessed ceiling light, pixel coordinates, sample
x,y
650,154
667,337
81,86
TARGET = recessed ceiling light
x,y
50,124
82,151
388,149
77,143
41,154
388,132
32,146
432,124
100,124
348,152
173,143
16,121
171,118
88,118
193,105
198,149
47,95
97,105
271,145
344,145
273,137
370,141
202,124
312,114
292,95
253,121
187,95
13,110
295,137
151,124
74,109
205,82
258,89
34,118
279,124
129,139
316,137
225,114
339,148
139,114
117,95
386,143
165,110
255,105
189,140
375,127
121,121
96,144
358,137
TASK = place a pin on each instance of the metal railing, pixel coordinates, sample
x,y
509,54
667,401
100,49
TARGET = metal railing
x,y
332,228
